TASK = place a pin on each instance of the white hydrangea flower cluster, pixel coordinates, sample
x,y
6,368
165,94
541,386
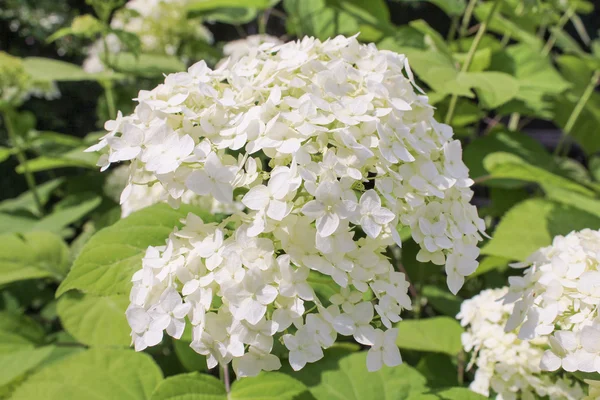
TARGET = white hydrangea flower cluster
x,y
507,365
236,49
145,193
558,296
162,26
351,154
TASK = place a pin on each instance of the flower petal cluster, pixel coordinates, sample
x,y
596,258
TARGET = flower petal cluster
x,y
143,192
162,26
506,365
558,297
331,149
236,49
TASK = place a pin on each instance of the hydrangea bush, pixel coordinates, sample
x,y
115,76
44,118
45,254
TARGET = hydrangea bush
x,y
331,148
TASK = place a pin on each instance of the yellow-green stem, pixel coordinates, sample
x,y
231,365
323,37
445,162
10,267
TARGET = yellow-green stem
x,y
22,158
466,19
224,376
465,67
587,93
561,23
110,99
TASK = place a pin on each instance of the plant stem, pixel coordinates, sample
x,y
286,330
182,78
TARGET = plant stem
x,y
466,19
224,376
453,29
110,99
22,158
561,23
263,21
513,123
465,67
587,93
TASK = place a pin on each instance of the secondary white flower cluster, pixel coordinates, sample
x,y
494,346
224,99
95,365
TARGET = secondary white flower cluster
x,y
236,49
507,365
558,296
162,26
331,151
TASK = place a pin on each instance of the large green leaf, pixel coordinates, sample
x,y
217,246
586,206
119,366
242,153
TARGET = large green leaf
x,y
15,364
64,217
328,18
458,393
532,224
49,70
26,200
271,385
342,376
33,255
11,342
437,335
147,65
504,141
94,374
109,259
539,82
21,325
73,158
93,320
438,369
510,166
438,71
450,7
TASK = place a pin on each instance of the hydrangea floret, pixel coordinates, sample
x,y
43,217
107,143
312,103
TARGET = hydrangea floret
x,y
558,297
506,365
331,148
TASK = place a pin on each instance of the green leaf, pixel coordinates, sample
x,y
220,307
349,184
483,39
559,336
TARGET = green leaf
x,y
21,325
94,320
585,130
98,374
190,386
504,141
342,376
328,18
442,300
452,8
271,385
109,259
493,88
15,364
49,70
26,200
59,219
432,37
539,82
73,158
5,152
32,255
11,342
437,335
147,65
459,393
439,370
500,24
510,166
490,263
11,223
190,360
532,224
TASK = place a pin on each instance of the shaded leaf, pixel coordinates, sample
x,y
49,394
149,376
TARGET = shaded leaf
x,y
437,335
94,320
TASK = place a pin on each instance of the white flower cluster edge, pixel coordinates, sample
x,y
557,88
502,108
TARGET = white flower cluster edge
x,y
507,365
353,154
558,297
